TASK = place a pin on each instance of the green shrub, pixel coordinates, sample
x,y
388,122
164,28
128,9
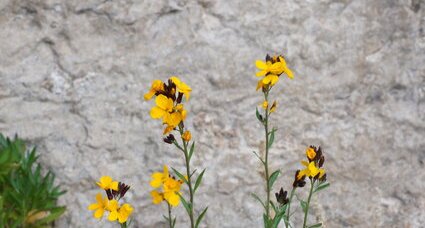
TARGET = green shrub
x,y
28,196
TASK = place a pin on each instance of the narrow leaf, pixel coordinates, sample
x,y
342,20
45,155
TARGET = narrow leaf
x,y
258,156
186,205
259,200
273,178
316,225
192,148
199,180
259,117
180,175
321,187
271,138
199,219
303,205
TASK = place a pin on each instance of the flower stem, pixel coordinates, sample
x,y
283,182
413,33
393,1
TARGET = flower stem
x,y
308,203
170,218
189,182
289,208
123,225
266,160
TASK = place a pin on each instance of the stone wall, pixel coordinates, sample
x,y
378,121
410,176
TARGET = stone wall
x,y
72,76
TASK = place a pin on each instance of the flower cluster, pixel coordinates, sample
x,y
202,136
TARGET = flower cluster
x,y
168,101
270,70
170,188
313,167
114,192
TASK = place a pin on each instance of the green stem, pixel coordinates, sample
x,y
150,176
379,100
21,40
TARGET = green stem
x,y
123,225
266,160
170,219
308,203
189,182
289,208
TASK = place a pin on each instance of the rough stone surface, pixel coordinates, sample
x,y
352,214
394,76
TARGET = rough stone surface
x,y
72,74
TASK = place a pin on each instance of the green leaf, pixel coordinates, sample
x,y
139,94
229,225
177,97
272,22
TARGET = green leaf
x,y
266,221
199,219
321,187
271,138
273,178
186,205
259,116
192,148
279,216
198,180
259,200
316,225
174,221
181,176
258,156
275,209
303,205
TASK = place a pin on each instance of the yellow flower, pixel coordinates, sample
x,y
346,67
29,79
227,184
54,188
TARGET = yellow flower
x,y
311,170
170,188
187,136
259,85
165,109
100,206
157,86
159,178
168,129
311,154
285,69
121,213
164,106
265,105
106,183
271,70
181,87
273,108
268,67
157,197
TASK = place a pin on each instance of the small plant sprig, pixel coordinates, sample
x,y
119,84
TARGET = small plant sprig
x,y
170,109
274,213
270,71
28,198
316,174
115,191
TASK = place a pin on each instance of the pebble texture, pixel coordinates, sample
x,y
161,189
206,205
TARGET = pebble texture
x,y
72,76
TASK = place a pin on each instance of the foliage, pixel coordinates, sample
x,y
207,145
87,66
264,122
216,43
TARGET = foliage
x,y
28,196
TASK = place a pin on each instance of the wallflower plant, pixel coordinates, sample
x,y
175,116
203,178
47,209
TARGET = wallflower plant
x,y
170,109
270,71
114,191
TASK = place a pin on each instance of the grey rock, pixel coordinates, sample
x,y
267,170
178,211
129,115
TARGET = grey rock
x,y
72,76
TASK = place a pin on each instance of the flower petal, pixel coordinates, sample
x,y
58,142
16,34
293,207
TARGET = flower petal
x,y
113,216
260,65
157,113
99,213
164,102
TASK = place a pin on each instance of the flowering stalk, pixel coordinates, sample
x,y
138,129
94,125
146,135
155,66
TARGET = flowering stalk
x,y
266,160
170,108
271,69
